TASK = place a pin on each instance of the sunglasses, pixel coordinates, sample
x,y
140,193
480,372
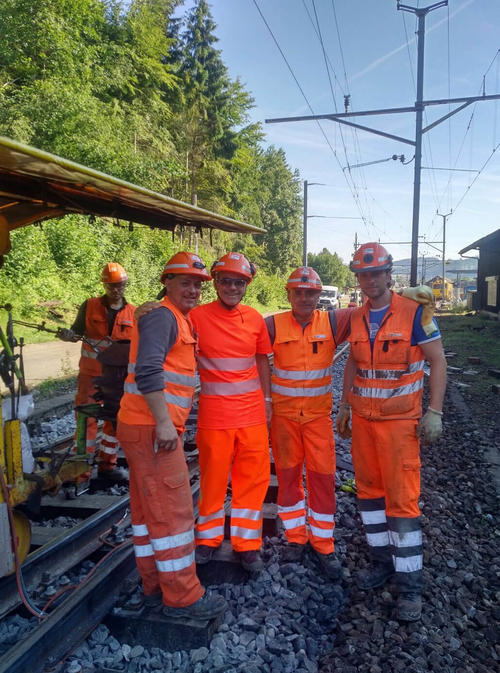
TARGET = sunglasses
x,y
237,282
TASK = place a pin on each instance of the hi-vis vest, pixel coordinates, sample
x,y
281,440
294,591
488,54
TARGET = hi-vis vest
x,y
389,381
301,383
96,331
179,368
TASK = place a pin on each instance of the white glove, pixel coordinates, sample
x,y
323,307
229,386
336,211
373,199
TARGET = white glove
x,y
430,426
421,293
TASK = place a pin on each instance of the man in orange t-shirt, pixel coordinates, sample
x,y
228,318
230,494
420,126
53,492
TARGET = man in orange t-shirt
x,y
235,408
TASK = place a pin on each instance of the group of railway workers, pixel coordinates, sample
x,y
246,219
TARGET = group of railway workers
x,y
243,402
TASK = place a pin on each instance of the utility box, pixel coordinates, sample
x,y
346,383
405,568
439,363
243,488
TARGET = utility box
x,y
473,301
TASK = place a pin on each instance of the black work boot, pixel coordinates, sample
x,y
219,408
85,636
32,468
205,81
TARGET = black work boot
x,y
375,575
330,565
252,560
153,601
116,474
208,606
409,607
203,554
292,552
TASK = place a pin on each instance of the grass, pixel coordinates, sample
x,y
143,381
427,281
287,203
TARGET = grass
x,y
53,387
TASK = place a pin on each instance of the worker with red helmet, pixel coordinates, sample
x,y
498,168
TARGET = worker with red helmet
x,y
101,320
390,338
233,414
157,398
304,340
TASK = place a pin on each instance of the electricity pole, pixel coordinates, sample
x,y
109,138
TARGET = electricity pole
x,y
304,228
445,217
418,108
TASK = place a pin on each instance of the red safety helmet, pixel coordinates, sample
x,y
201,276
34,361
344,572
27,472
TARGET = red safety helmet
x,y
371,257
113,273
304,277
235,262
187,263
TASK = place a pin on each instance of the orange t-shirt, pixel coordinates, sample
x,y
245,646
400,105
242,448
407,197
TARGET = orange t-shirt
x,y
228,340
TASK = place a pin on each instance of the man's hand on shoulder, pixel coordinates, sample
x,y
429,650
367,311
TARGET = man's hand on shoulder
x,y
145,308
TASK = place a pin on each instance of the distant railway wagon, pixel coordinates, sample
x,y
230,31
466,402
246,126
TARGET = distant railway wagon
x,y
436,285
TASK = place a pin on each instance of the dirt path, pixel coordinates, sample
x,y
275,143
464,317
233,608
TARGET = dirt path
x,y
50,360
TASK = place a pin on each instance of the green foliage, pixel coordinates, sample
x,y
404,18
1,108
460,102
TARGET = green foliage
x,y
125,87
331,269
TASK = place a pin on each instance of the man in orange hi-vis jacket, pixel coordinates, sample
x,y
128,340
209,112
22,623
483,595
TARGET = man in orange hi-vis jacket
x,y
157,398
390,339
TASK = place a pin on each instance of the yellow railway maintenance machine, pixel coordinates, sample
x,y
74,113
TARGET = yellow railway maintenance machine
x,y
37,186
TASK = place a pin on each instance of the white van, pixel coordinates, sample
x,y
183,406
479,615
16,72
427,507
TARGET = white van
x,y
329,298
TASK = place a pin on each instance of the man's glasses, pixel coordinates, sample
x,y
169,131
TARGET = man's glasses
x,y
115,286
237,282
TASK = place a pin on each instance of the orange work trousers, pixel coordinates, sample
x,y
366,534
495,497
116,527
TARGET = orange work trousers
x,y
109,445
386,457
244,453
292,444
161,508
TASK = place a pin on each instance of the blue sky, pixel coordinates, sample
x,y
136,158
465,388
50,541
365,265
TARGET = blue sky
x,y
377,64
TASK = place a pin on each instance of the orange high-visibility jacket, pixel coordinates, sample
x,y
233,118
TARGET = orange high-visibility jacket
x,y
96,331
179,368
302,374
231,395
389,381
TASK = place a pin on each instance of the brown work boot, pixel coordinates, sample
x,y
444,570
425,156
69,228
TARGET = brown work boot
x,y
203,554
292,552
252,560
374,575
208,606
409,607
116,474
330,565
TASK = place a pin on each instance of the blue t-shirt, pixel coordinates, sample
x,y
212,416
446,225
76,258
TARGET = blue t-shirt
x,y
418,336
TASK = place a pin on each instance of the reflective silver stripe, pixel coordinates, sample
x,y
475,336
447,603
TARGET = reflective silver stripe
x,y
176,266
141,550
294,523
378,539
178,400
226,364
390,373
109,438
327,518
412,538
292,508
170,377
252,514
301,392
111,450
246,533
303,374
387,393
320,532
407,565
89,354
209,533
373,517
175,564
230,388
90,443
172,541
211,517
140,529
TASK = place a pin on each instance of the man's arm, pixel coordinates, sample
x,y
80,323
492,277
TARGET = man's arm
x,y
344,412
434,354
264,370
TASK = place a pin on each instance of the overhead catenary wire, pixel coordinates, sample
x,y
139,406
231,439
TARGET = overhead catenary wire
x,y
356,198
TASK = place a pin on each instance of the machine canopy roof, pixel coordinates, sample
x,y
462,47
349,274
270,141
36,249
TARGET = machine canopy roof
x,y
36,186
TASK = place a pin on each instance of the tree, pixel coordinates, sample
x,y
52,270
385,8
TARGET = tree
x,y
330,268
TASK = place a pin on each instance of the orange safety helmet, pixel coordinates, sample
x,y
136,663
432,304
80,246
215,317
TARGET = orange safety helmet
x,y
113,273
235,262
187,263
304,277
371,257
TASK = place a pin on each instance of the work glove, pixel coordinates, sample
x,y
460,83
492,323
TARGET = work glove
x,y
430,426
146,308
342,420
66,334
423,295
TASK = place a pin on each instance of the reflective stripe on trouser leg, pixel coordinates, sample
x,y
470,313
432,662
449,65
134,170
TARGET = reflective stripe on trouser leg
x,y
108,449
288,452
144,554
250,474
405,536
83,396
216,450
375,524
162,485
319,447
